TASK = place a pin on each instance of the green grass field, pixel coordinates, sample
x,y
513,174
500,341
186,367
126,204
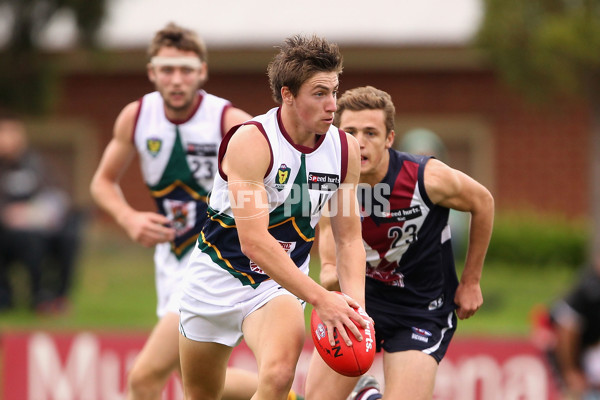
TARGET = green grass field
x,y
114,290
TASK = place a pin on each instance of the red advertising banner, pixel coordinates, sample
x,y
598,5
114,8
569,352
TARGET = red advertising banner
x,y
94,365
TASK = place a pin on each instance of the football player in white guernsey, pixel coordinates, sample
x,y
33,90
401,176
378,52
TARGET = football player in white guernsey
x,y
175,131
412,291
248,275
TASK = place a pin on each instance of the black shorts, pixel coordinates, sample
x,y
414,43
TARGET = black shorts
x,y
397,331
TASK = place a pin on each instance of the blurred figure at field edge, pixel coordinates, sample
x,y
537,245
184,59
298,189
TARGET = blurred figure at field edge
x,y
38,225
575,350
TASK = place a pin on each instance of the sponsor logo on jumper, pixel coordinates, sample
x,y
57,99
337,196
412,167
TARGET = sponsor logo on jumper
x,y
400,215
202,149
437,303
387,273
283,176
421,335
182,215
154,145
287,246
255,268
322,181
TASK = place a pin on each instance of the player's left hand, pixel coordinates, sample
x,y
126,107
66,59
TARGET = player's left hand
x,y
468,299
328,277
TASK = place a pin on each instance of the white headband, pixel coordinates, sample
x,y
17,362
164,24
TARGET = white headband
x,y
191,62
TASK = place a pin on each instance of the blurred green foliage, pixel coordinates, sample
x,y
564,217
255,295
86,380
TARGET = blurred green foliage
x,y
512,294
538,241
546,49
543,47
27,78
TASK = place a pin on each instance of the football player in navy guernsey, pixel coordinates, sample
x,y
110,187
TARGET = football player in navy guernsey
x,y
248,275
176,131
412,290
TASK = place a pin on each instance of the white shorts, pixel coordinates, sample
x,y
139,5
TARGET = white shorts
x,y
169,274
205,322
214,303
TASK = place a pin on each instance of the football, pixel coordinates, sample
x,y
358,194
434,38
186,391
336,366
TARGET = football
x,y
352,360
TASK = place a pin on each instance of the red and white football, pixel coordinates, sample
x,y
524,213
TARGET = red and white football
x,y
352,360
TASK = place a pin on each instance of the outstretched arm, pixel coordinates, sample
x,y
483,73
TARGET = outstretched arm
x,y
453,189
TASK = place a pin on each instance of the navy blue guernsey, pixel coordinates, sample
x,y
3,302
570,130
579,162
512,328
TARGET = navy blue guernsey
x,y
407,239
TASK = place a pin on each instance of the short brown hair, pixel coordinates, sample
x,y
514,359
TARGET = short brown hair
x,y
299,58
366,98
181,38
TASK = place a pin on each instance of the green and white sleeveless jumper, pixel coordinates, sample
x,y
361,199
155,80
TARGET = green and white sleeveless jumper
x,y
298,182
178,162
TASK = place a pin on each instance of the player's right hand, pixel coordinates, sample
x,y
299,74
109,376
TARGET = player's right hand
x,y
148,228
337,311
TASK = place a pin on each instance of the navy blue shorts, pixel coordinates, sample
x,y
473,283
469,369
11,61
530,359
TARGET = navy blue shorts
x,y
400,331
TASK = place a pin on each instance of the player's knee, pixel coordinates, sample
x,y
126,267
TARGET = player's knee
x,y
279,376
143,383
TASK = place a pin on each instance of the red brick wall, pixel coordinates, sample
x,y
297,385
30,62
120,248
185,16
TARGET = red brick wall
x,y
540,152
